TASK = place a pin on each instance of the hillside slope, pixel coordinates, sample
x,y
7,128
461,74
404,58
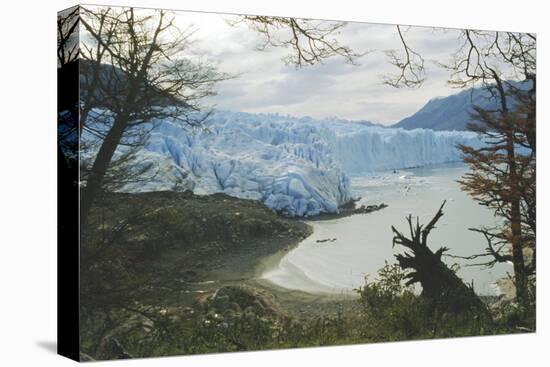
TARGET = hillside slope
x,y
447,113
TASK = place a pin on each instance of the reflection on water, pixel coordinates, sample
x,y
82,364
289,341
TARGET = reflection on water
x,y
364,242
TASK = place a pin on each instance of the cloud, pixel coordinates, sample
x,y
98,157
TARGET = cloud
x,y
263,83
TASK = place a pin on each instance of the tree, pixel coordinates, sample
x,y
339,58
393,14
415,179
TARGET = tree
x,y
503,172
135,69
504,181
135,65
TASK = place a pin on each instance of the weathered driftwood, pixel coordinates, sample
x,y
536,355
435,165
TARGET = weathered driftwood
x,y
440,285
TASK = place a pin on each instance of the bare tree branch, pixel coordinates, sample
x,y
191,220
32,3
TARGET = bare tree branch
x,y
411,66
311,41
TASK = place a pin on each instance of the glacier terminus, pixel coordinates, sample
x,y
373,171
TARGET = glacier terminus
x,y
295,166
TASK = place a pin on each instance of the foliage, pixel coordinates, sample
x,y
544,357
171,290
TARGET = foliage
x,y
387,310
392,311
503,178
390,306
503,172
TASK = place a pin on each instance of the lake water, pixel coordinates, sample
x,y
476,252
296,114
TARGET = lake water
x,y
364,242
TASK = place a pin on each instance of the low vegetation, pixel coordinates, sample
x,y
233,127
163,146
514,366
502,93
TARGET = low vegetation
x,y
173,278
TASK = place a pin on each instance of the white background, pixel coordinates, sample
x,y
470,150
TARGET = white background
x,y
28,183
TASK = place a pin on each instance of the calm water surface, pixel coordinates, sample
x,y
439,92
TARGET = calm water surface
x,y
364,242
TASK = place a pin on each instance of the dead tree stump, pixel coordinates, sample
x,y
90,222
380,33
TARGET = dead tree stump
x,y
440,285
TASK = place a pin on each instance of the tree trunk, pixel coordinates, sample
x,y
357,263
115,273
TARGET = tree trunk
x,y
515,226
100,166
514,200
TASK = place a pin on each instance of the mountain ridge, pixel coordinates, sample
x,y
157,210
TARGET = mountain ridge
x,y
447,113
453,112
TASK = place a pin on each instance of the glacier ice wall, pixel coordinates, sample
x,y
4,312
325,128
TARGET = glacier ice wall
x,y
372,149
297,166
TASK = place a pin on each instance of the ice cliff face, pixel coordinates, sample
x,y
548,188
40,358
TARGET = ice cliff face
x,y
296,166
373,149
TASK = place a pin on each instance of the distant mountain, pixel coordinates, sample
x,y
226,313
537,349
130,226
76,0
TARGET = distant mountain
x,y
449,113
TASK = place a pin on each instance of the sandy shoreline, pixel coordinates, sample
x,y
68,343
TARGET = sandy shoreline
x,y
297,302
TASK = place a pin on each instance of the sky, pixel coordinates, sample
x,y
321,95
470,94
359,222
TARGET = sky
x,y
264,83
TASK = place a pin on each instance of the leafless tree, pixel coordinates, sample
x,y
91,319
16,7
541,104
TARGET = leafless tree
x,y
138,64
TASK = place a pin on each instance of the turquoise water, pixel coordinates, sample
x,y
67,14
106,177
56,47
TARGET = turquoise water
x,y
359,245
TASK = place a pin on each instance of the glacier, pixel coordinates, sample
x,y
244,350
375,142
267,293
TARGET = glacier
x,y
295,166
